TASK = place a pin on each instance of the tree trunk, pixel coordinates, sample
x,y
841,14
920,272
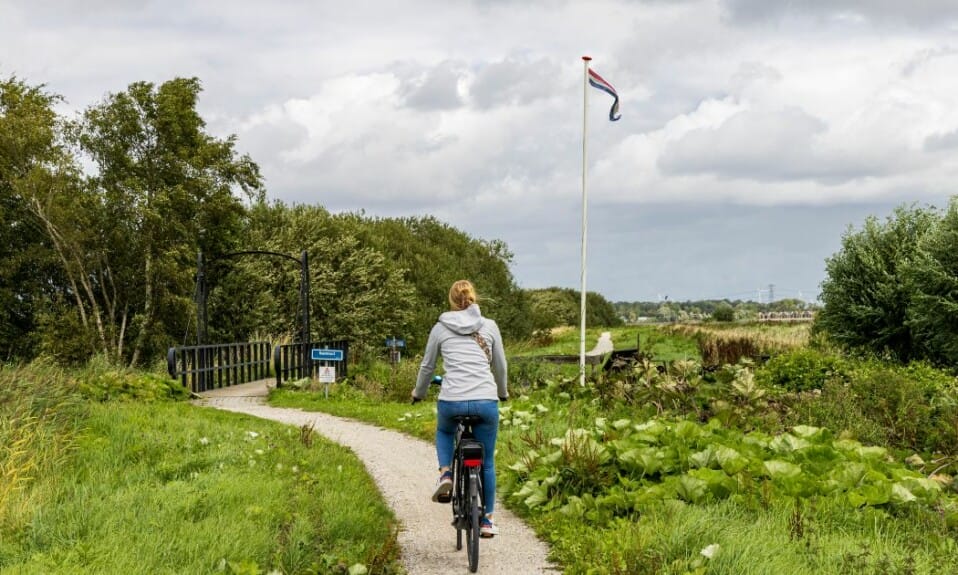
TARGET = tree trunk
x,y
147,308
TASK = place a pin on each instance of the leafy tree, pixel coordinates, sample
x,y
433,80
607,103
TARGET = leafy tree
x,y
357,292
30,155
933,275
433,255
552,307
865,294
724,312
127,239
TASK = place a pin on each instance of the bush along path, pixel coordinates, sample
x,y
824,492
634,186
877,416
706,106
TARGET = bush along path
x,y
404,469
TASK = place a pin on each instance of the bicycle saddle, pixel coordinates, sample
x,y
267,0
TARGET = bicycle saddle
x,y
467,419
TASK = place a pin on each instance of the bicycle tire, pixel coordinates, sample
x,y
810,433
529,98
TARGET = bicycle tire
x,y
472,529
458,503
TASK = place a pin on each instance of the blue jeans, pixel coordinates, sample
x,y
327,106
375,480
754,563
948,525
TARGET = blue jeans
x,y
485,432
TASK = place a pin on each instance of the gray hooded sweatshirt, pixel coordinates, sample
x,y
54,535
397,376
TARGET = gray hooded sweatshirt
x,y
468,375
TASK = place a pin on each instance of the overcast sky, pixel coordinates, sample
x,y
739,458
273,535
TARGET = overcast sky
x,y
753,132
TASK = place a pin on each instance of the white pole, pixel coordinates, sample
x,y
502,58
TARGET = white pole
x,y
585,139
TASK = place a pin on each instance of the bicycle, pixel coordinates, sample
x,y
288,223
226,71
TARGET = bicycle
x,y
468,502
468,505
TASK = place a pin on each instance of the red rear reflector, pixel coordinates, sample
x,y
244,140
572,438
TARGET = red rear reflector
x,y
472,462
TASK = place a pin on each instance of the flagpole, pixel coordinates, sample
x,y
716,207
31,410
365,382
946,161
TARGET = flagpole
x,y
585,139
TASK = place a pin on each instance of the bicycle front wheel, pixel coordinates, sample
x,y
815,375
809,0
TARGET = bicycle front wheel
x,y
474,512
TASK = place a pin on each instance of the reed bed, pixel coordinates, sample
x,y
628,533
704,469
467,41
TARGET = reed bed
x,y
720,345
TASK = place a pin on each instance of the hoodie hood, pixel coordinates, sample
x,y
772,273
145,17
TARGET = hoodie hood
x,y
463,322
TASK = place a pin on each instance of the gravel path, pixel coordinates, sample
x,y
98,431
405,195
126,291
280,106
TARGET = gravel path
x,y
404,469
603,345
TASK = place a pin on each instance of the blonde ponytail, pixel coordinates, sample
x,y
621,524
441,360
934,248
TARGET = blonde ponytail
x,y
462,294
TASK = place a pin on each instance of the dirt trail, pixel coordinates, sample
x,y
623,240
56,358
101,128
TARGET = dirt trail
x,y
404,469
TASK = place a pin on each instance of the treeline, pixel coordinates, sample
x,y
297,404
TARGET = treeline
x,y
724,309
102,217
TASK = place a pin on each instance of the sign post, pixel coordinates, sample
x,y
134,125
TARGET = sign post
x,y
394,344
327,373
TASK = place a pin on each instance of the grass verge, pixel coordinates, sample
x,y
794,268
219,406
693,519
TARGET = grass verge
x,y
170,488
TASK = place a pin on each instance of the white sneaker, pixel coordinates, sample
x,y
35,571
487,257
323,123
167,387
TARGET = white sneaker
x,y
487,528
443,492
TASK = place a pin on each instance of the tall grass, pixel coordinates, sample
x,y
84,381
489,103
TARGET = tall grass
x,y
40,415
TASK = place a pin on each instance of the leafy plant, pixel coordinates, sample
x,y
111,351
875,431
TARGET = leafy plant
x,y
801,370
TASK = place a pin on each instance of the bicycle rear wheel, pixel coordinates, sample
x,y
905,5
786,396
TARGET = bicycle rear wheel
x,y
472,525
458,504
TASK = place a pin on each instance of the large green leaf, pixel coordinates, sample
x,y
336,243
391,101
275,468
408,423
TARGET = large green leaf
x,y
777,469
691,489
704,458
730,460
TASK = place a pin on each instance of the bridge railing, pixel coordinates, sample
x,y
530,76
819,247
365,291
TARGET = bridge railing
x,y
205,367
292,361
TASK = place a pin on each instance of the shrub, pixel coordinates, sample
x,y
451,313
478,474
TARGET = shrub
x,y
801,370
910,403
913,407
381,380
865,300
723,312
102,381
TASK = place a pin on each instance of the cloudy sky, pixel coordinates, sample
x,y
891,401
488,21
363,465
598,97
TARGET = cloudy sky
x,y
753,132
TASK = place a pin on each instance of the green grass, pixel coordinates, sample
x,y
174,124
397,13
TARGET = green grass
x,y
171,488
749,541
417,420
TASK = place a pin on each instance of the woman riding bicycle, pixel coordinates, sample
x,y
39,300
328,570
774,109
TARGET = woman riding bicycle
x,y
469,345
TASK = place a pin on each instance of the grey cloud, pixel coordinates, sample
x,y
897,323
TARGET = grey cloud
x,y
434,89
752,72
513,82
763,146
922,13
693,251
924,57
946,141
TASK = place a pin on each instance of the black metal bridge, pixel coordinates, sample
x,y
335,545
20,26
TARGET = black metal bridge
x,y
204,366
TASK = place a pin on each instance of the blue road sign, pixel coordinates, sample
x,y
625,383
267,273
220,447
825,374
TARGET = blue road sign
x,y
393,342
327,355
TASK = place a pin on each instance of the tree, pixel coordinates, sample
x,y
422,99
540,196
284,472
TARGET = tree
x,y
724,312
552,307
30,155
127,239
865,294
433,255
933,275
357,292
